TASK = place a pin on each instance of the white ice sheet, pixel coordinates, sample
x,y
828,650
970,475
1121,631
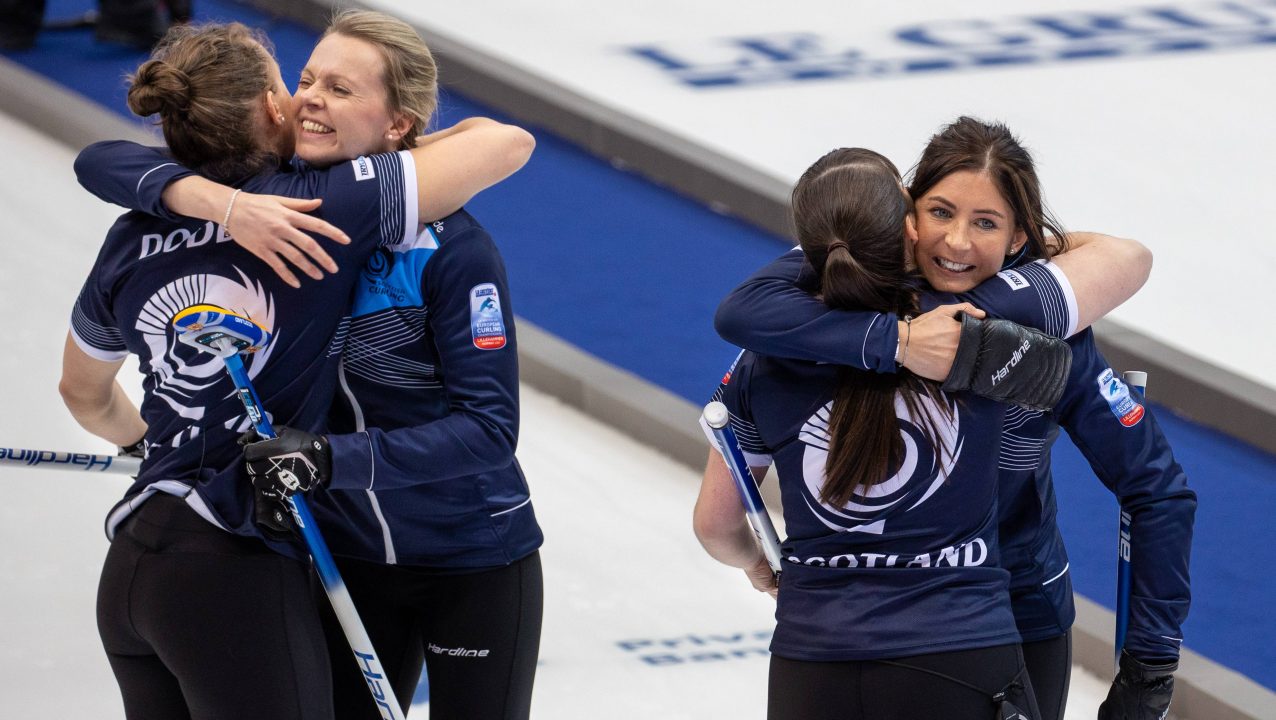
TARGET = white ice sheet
x,y
1171,148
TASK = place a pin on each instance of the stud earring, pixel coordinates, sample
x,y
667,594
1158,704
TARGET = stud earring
x,y
280,116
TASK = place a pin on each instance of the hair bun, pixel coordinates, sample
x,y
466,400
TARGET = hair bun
x,y
158,87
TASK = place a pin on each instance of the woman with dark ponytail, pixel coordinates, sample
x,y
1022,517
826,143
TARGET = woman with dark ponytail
x,y
891,601
982,225
835,203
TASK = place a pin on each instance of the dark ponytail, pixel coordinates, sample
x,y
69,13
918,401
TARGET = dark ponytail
x,y
850,212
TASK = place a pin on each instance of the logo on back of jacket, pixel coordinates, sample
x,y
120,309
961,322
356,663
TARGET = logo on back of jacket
x,y
185,379
919,475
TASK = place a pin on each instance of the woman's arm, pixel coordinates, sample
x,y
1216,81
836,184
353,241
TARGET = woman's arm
x,y
269,226
720,526
129,175
1104,272
773,314
480,431
1132,457
454,165
95,399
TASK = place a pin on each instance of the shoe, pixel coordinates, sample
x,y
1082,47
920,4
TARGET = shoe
x,y
139,31
13,42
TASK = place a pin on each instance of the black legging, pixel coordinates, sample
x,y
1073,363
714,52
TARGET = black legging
x,y
478,635
1049,664
200,624
908,688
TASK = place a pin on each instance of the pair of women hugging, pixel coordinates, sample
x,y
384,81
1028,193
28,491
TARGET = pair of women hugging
x,y
926,575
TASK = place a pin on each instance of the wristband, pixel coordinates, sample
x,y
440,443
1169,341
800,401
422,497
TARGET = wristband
x,y
908,335
230,206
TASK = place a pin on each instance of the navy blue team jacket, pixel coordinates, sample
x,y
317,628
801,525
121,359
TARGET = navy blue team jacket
x,y
151,268
771,312
425,425
426,418
912,565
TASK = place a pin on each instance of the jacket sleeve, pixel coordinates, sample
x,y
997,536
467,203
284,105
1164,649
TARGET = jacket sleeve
x,y
129,175
468,300
1132,457
772,314
1035,294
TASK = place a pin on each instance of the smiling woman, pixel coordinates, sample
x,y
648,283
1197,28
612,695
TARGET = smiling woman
x,y
354,92
427,413
188,562
978,206
961,243
981,226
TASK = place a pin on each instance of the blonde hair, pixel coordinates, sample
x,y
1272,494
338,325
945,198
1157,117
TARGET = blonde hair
x,y
205,81
411,76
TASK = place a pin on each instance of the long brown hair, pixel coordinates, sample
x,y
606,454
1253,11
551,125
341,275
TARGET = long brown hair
x,y
850,212
205,82
971,144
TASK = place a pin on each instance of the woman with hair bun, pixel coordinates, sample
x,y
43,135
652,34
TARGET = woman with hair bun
x,y
891,600
419,494
202,612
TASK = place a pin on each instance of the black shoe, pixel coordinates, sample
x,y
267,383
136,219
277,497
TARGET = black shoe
x,y
140,37
136,24
14,40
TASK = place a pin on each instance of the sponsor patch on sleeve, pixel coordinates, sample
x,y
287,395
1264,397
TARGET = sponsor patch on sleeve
x,y
1117,394
486,324
1013,279
363,169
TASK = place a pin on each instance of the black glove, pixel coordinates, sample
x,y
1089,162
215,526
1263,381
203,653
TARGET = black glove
x,y
137,449
1139,692
293,462
272,515
1010,363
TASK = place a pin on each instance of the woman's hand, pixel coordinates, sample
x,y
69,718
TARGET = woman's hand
x,y
761,577
271,227
928,344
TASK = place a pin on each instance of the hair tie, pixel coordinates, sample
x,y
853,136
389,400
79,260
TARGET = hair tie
x,y
838,244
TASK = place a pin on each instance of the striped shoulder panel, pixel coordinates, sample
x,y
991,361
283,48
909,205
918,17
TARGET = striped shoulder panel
x,y
1058,306
746,433
106,340
398,211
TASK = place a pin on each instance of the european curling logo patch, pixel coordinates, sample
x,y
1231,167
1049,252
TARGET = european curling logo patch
x,y
1122,404
486,324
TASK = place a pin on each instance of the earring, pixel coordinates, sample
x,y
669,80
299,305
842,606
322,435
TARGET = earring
x,y
391,136
280,116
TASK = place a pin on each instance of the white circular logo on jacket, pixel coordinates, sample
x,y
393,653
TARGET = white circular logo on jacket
x,y
920,474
